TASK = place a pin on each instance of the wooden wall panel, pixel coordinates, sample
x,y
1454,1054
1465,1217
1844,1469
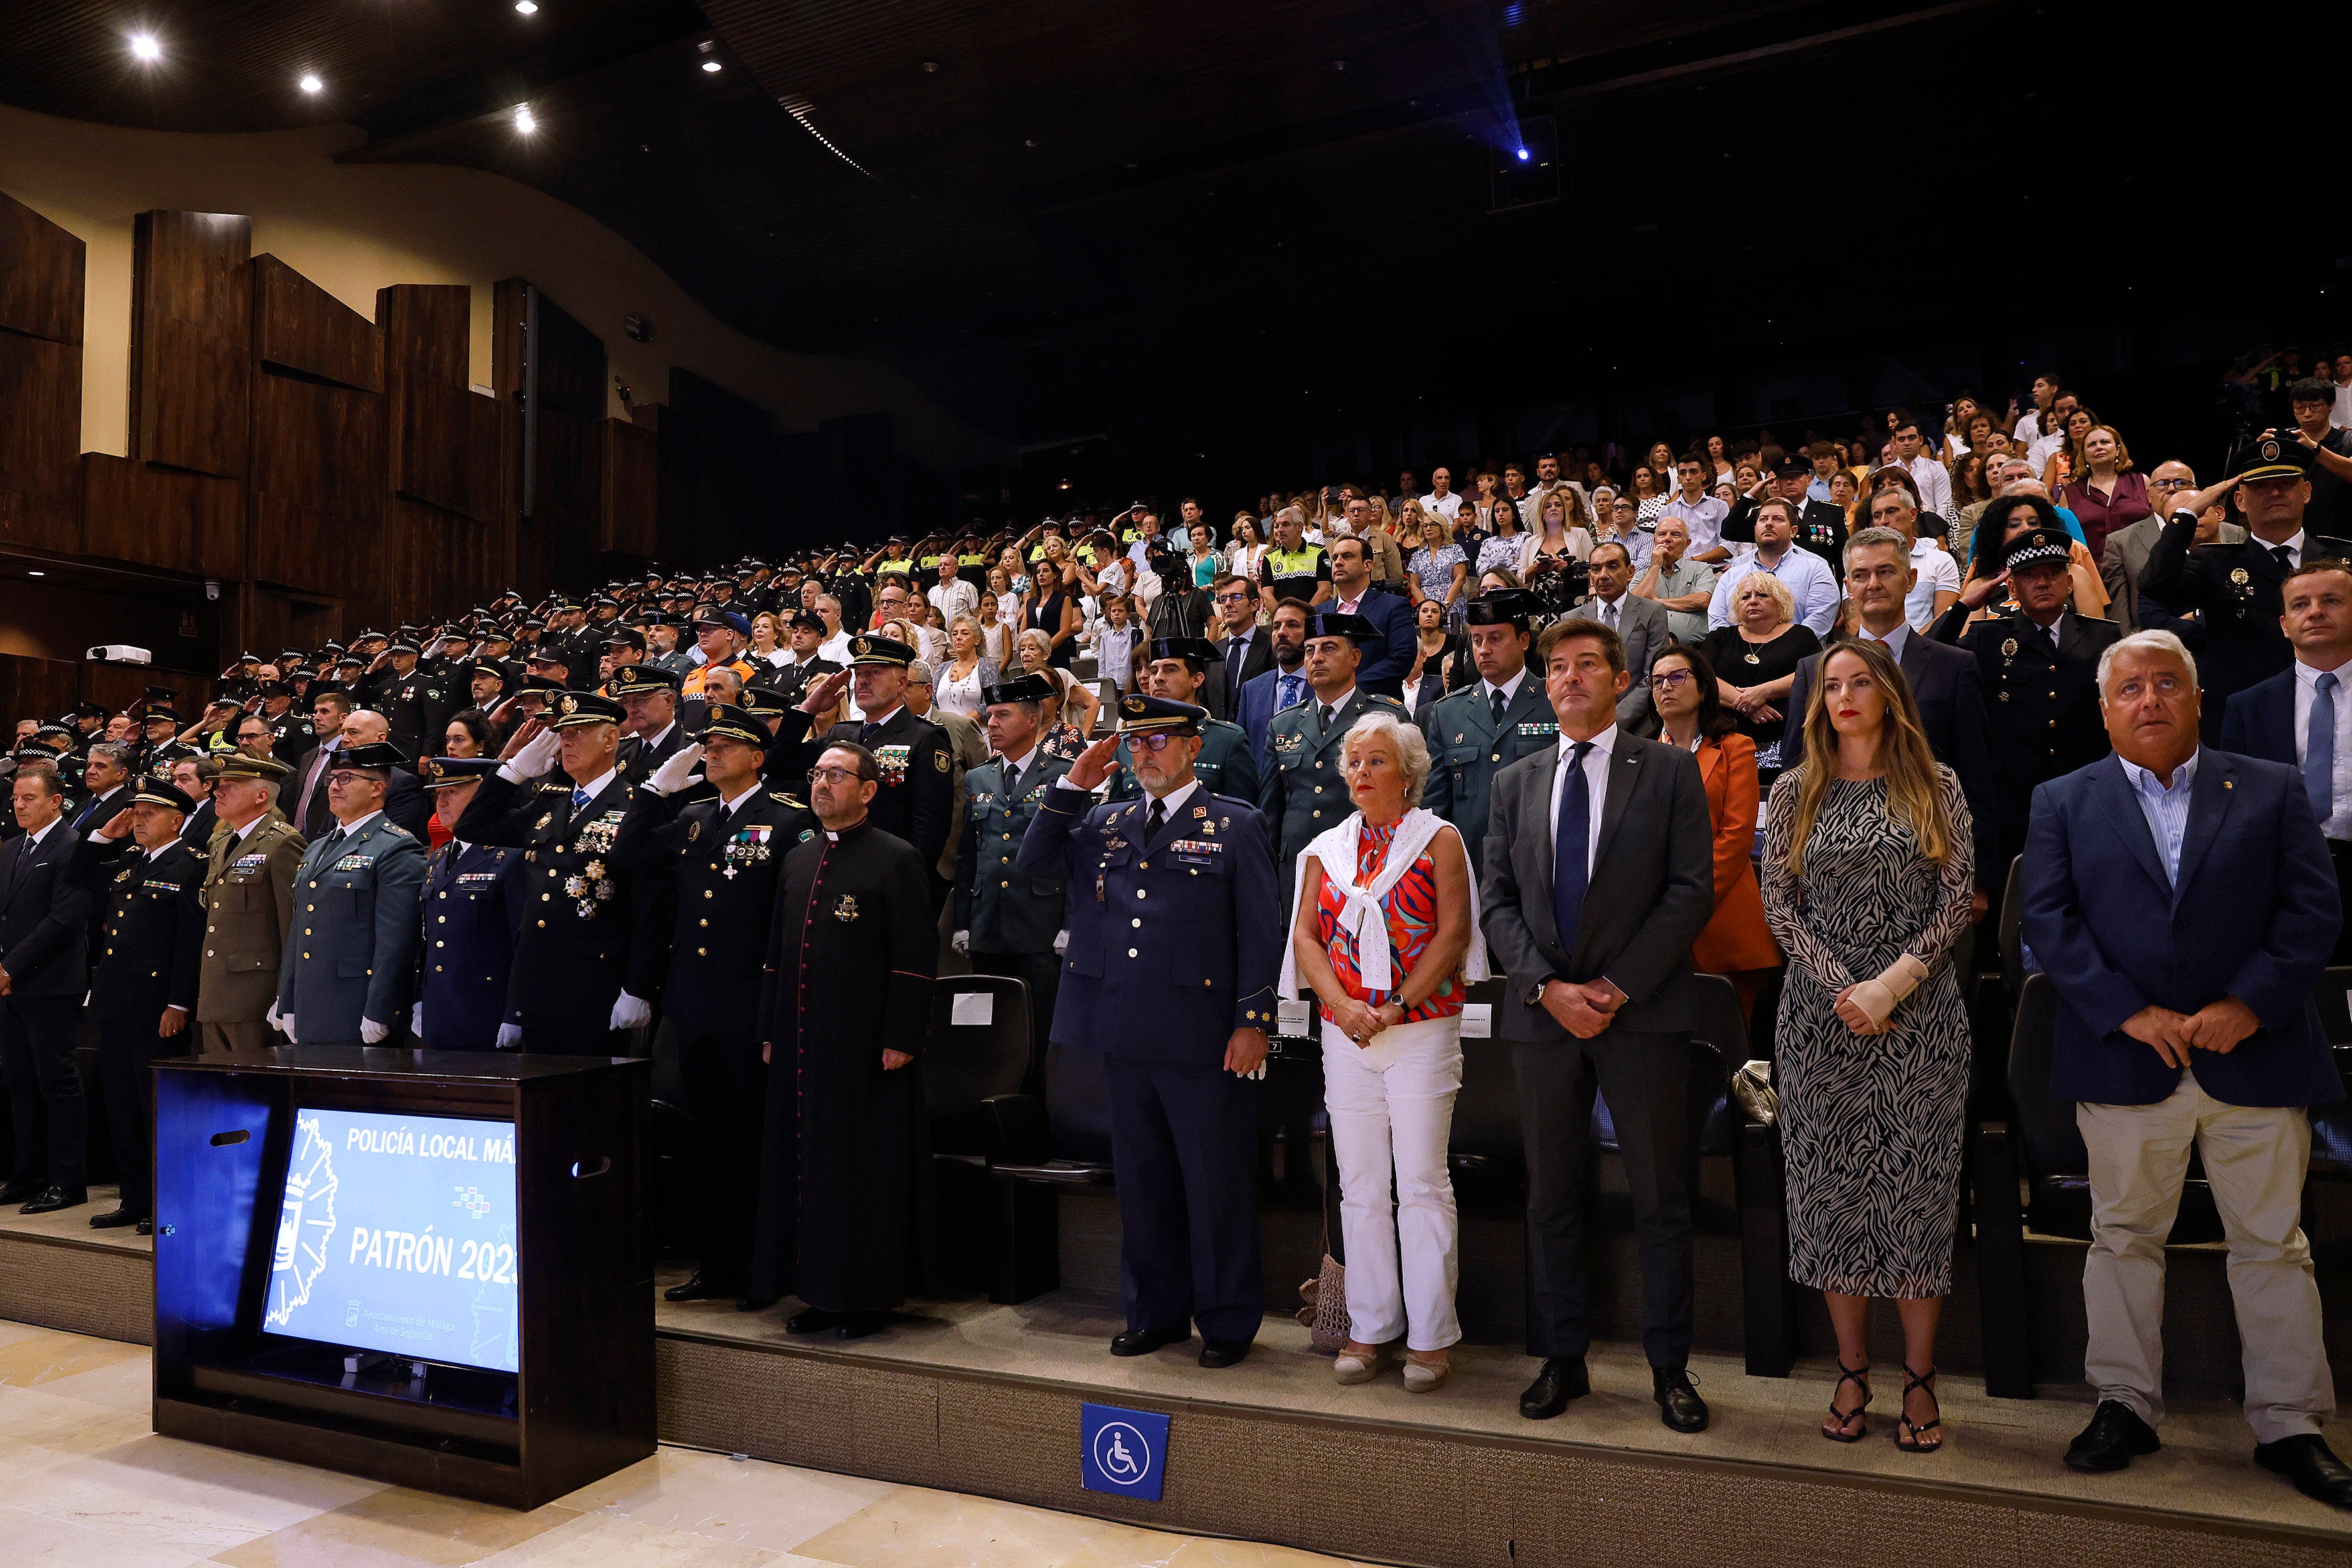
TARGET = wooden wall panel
x,y
427,330
298,326
319,482
191,340
40,431
42,269
155,517
632,488
36,688
450,448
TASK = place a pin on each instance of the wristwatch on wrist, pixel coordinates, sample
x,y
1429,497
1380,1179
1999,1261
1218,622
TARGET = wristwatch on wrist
x,y
1534,993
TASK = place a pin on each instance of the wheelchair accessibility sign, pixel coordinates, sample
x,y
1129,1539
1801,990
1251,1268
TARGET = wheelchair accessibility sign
x,y
1122,1451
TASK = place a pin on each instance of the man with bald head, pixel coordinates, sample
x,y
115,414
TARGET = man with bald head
x,y
2125,555
404,799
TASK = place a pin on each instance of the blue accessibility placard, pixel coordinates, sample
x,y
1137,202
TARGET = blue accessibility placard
x,y
1122,1451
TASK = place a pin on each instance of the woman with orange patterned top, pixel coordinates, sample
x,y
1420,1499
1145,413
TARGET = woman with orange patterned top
x,y
1386,932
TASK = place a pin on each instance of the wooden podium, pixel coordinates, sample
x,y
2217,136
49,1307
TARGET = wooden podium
x,y
578,1403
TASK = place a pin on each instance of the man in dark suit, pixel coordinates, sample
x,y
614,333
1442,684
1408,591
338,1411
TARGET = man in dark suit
x,y
2181,902
304,798
43,944
1815,525
1598,875
1641,627
1385,661
1878,577
106,786
1285,686
2303,715
2125,555
2237,585
1244,649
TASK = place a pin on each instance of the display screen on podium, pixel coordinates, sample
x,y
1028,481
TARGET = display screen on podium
x,y
396,1234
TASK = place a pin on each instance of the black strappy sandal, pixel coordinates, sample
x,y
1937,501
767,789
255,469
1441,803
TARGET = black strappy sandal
x,y
1854,1417
1907,1433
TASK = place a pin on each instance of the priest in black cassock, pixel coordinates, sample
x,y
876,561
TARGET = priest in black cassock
x,y
845,1166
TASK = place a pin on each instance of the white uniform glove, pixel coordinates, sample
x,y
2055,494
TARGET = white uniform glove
x,y
416,1020
961,941
628,1012
510,1035
273,1020
285,1026
1061,942
372,1033
534,759
676,771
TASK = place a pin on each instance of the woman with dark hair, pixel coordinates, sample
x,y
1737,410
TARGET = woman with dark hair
x,y
2003,519
470,733
1868,873
2069,462
1504,548
1736,941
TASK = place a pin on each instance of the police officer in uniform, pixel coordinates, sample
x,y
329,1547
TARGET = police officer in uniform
x,y
1176,933
597,908
2238,585
148,886
1007,920
249,899
474,897
2038,669
1302,791
1480,729
917,800
1177,669
727,843
350,968
648,693
414,700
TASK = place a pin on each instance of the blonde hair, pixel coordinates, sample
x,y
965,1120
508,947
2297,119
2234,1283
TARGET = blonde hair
x,y
1411,749
1774,590
1912,781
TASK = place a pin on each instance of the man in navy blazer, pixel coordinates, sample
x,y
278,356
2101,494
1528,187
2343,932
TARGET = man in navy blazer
x,y
1387,661
2182,903
1264,695
2303,715
44,973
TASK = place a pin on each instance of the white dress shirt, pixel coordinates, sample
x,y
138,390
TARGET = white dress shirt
x,y
1509,689
2339,813
1935,484
1596,785
1810,580
1937,572
1449,505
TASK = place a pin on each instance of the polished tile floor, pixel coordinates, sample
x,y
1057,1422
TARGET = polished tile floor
x,y
87,1485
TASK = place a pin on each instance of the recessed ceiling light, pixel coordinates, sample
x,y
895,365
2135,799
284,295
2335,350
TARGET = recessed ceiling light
x,y
710,65
36,574
311,84
527,7
525,122
143,46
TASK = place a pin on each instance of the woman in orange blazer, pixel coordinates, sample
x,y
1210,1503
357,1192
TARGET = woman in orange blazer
x,y
1736,941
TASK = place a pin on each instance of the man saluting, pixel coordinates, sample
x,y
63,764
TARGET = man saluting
x,y
846,1165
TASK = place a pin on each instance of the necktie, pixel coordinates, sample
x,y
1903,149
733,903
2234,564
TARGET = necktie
x,y
1157,817
1608,616
1011,777
2319,749
1289,691
578,797
1499,704
865,735
1570,868
1323,715
337,836
2285,556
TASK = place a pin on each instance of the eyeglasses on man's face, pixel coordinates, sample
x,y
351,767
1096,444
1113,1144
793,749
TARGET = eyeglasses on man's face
x,y
833,775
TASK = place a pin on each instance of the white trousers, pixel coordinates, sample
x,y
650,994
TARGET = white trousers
x,y
1392,1105
2256,1159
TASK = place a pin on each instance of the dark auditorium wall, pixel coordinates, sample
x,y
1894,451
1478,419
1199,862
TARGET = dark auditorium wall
x,y
178,403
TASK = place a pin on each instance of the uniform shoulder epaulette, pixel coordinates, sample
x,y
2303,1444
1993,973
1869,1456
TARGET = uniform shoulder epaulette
x,y
778,795
398,830
544,785
1384,699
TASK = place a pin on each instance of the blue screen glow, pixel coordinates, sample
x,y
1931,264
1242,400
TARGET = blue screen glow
x,y
397,1234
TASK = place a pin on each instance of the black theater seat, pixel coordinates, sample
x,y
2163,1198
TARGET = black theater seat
x,y
1039,1147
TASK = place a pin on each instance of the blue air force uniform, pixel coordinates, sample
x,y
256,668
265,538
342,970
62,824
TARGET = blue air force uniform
x,y
1012,916
1225,765
352,951
1175,939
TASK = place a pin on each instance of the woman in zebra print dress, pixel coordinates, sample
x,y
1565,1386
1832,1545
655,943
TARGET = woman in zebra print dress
x,y
1867,868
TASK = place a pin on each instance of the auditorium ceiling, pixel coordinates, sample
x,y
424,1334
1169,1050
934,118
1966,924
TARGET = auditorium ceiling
x,y
1041,208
